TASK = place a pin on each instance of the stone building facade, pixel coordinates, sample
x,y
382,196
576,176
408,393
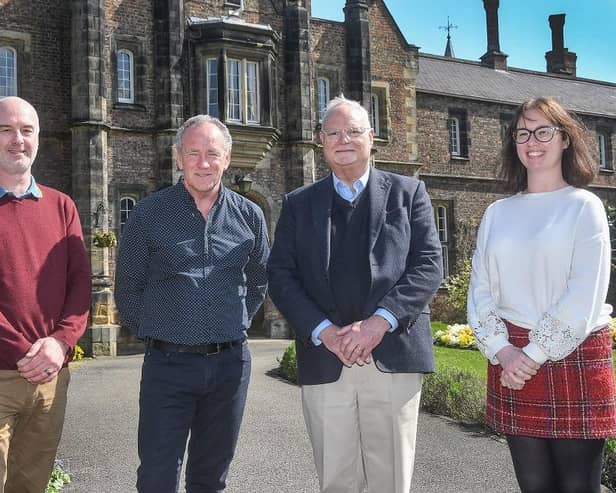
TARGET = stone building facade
x,y
113,79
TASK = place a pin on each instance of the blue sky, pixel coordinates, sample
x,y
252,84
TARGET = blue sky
x,y
525,33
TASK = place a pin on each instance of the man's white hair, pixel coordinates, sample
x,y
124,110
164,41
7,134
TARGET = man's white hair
x,y
339,101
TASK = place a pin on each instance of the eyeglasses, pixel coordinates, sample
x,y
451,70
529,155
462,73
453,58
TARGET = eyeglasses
x,y
351,133
542,134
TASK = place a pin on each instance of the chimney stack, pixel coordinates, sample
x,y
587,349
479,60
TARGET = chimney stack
x,y
560,60
493,58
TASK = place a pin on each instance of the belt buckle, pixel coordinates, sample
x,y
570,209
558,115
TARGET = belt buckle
x,y
218,346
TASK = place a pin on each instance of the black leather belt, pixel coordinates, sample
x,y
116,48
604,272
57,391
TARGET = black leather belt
x,y
210,348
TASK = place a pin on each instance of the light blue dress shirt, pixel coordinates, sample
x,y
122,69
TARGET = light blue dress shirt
x,y
350,194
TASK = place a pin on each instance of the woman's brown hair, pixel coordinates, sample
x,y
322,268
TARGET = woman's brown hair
x,y
577,162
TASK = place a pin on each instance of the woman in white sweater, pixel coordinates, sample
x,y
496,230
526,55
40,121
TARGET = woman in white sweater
x,y
537,306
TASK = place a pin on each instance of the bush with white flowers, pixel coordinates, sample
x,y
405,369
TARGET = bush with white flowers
x,y
457,335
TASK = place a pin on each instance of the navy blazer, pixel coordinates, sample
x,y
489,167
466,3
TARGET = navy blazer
x,y
405,272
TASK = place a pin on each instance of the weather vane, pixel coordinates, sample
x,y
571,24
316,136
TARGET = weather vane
x,y
449,46
449,27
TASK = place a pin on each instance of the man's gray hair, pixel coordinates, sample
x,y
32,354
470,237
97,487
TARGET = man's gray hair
x,y
200,120
339,101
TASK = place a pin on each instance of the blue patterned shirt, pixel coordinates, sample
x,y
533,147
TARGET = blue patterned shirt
x,y
186,279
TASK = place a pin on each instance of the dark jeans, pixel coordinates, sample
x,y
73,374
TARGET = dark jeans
x,y
182,392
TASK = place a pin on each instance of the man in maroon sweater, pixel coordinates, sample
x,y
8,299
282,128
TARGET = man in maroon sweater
x,y
44,303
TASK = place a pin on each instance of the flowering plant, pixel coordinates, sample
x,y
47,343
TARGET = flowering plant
x,y
613,331
104,239
457,335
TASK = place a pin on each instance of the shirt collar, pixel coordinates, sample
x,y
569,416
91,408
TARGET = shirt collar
x,y
33,191
181,186
351,193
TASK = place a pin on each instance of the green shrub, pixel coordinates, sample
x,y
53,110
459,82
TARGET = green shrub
x,y
456,393
288,364
58,479
608,474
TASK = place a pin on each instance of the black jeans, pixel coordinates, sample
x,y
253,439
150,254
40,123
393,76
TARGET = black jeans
x,y
182,392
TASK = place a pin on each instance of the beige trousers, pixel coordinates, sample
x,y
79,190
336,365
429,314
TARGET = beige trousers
x,y
31,419
363,429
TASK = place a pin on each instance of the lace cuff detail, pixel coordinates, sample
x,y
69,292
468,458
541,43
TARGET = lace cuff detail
x,y
486,329
555,338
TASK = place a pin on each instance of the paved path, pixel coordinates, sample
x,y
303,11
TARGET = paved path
x,y
98,447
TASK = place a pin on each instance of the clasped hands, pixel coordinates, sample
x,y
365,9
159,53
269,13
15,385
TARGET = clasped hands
x,y
43,360
353,343
517,367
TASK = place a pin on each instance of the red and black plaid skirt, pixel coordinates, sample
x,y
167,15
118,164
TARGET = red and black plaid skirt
x,y
571,398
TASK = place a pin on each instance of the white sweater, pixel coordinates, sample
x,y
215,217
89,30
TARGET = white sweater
x,y
542,262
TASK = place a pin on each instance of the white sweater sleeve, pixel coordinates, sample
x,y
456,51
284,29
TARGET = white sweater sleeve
x,y
567,323
490,331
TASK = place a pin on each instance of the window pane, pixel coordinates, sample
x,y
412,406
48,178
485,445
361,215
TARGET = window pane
x,y
252,88
322,96
454,136
212,87
126,206
125,77
8,72
602,153
374,100
441,223
233,85
445,252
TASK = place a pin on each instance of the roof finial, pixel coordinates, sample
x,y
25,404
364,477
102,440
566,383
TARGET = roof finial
x,y
449,46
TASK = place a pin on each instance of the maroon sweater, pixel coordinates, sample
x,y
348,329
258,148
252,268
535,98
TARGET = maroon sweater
x,y
44,273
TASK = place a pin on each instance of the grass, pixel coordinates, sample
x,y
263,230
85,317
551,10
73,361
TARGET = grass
x,y
461,359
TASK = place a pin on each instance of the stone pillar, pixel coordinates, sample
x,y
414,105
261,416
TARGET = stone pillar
x,y
169,95
359,79
89,160
298,156
297,87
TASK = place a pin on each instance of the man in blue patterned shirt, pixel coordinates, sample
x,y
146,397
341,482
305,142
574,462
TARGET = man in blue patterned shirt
x,y
190,276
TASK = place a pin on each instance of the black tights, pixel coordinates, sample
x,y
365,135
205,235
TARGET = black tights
x,y
556,465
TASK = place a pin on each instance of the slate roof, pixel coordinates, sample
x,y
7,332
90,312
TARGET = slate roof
x,y
470,80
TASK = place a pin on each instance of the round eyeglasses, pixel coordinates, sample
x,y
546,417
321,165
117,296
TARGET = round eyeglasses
x,y
542,134
332,135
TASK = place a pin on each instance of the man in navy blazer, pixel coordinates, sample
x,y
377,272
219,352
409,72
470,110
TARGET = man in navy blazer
x,y
355,262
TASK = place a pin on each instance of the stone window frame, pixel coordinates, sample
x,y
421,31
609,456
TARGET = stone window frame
x,y
125,209
443,219
21,44
135,45
458,116
134,192
332,74
505,121
322,102
8,83
381,121
265,78
604,149
131,75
